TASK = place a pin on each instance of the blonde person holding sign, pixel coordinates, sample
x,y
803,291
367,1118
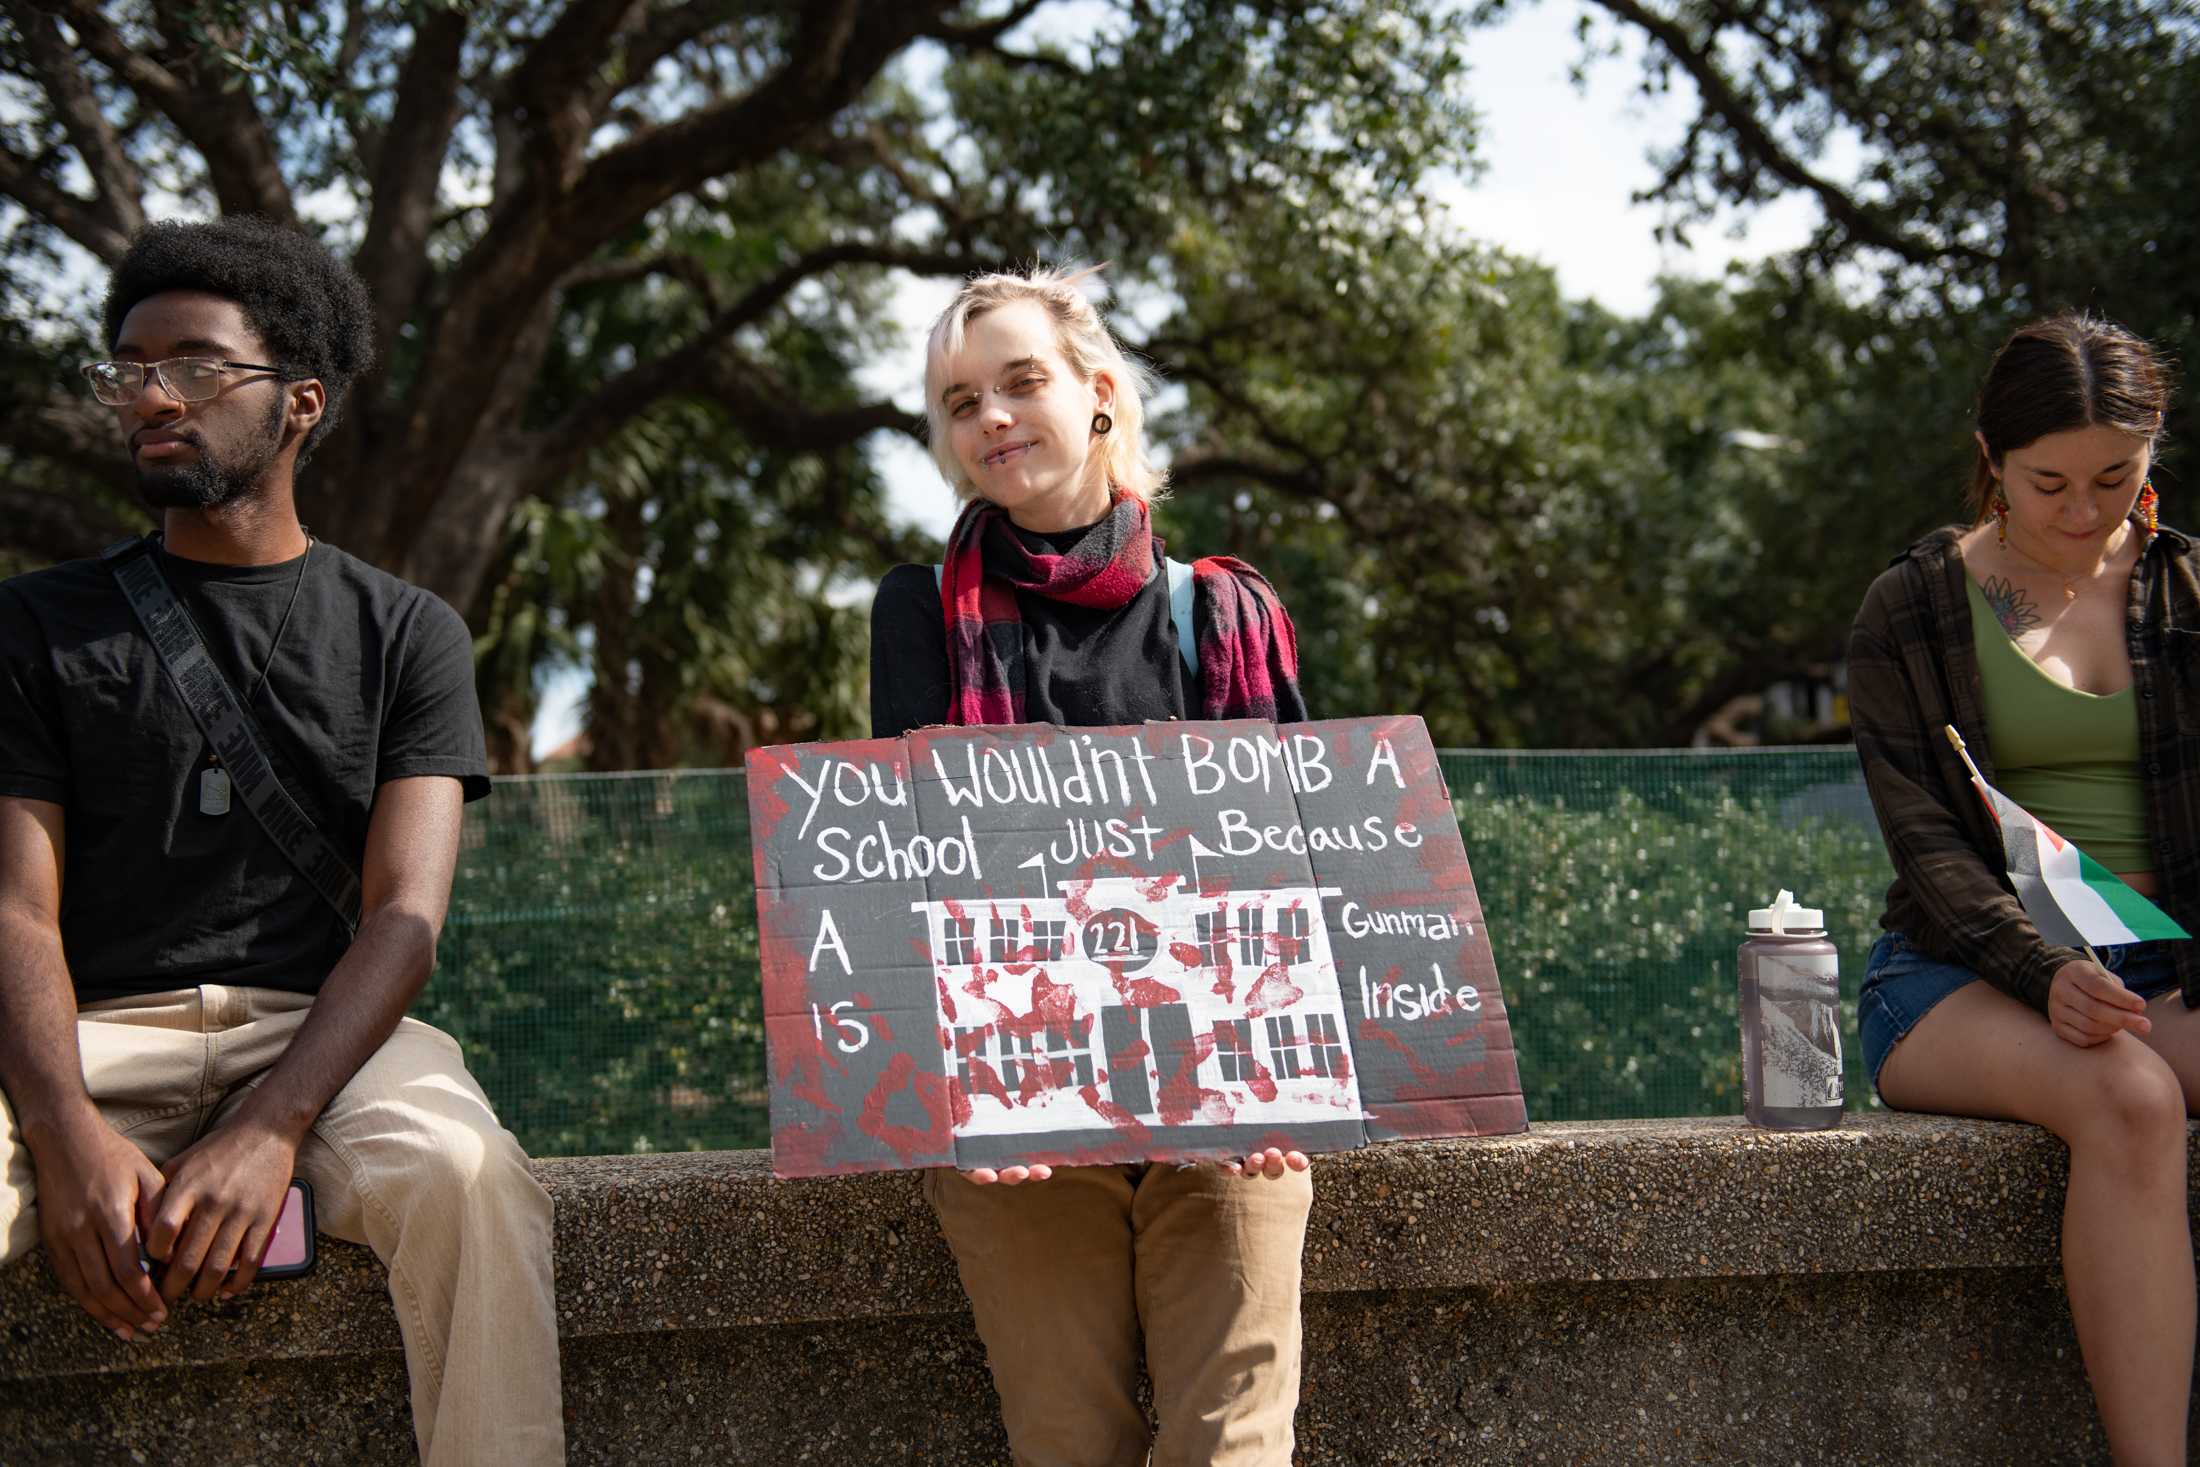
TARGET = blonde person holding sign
x,y
1052,606
2056,635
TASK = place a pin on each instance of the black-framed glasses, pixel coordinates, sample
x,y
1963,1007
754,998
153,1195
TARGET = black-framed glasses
x,y
186,379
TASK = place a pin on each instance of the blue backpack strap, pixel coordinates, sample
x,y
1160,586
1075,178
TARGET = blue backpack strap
x,y
1180,610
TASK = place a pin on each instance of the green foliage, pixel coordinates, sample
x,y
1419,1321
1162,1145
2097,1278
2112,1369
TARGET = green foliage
x,y
600,961
1526,519
1530,522
629,345
1539,524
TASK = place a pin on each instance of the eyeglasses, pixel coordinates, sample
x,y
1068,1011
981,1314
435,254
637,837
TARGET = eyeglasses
x,y
186,379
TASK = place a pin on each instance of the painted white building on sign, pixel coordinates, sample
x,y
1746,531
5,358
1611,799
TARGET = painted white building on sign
x,y
1232,1000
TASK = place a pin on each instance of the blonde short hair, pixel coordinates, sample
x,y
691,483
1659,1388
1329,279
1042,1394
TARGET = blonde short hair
x,y
1086,344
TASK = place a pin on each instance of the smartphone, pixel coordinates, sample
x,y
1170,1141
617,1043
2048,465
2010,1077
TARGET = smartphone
x,y
289,1250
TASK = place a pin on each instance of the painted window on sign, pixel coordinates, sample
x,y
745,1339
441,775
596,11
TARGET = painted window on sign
x,y
1006,934
975,1069
1324,1046
1283,1046
961,941
1211,930
1251,921
1234,1049
1054,1058
1291,935
1049,939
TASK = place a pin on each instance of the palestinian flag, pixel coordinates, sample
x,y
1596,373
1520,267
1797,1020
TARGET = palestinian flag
x,y
2073,899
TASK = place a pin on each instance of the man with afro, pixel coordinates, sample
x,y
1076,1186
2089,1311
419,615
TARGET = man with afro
x,y
187,1019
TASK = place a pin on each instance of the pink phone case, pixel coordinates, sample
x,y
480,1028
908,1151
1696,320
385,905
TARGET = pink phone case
x,y
290,1246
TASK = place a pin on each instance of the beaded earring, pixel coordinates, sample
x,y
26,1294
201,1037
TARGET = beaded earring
x,y
2148,500
2000,507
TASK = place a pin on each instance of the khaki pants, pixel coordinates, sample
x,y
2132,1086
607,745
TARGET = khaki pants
x,y
408,1159
1063,1276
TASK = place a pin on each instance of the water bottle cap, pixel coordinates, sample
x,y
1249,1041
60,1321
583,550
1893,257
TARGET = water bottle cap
x,y
1783,918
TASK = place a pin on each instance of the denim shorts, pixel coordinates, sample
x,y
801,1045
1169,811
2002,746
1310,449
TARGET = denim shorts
x,y
1901,985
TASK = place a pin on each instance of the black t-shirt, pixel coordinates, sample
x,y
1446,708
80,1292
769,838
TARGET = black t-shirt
x,y
373,681
1084,666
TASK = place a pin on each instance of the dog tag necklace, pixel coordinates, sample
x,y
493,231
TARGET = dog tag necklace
x,y
214,781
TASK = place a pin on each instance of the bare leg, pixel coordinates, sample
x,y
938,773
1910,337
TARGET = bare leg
x,y
2126,1238
2176,1038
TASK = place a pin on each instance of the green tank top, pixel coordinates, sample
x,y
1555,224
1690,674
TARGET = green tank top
x,y
2070,758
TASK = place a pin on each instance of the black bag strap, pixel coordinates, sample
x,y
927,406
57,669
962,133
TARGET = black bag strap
x,y
226,725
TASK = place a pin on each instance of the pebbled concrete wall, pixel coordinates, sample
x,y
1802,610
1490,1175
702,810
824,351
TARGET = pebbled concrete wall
x,y
1661,1291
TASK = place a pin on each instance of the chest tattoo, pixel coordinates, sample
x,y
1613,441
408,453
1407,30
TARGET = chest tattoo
x,y
2011,607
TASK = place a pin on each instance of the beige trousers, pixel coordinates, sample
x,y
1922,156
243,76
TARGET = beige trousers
x,y
1065,1274
407,1159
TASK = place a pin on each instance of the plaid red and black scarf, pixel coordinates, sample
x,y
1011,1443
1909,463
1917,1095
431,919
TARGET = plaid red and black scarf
x,y
1248,653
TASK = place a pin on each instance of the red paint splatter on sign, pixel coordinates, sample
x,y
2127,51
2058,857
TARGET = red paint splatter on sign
x,y
1143,993
1272,991
915,1145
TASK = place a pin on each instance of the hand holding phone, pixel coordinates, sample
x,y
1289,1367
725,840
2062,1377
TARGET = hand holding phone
x,y
225,1192
290,1249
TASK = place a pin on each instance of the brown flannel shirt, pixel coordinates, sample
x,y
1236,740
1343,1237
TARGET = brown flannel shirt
x,y
1913,668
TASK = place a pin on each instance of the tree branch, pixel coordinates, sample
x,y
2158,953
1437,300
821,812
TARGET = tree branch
x,y
1720,98
393,253
1233,398
550,87
354,43
678,265
118,186
1299,483
222,123
539,232
632,392
986,36
760,404
141,74
837,49
80,219
984,33
659,35
1942,132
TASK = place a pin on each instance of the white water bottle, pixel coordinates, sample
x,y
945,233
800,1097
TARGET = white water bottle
x,y
1791,1020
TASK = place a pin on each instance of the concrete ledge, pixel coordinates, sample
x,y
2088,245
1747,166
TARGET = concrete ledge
x,y
1590,1290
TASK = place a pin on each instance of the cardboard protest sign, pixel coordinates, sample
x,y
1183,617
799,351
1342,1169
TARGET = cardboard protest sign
x,y
984,946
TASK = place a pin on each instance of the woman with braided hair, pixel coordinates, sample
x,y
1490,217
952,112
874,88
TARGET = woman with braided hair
x,y
1052,607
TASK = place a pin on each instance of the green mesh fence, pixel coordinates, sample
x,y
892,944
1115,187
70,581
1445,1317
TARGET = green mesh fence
x,y
1616,888
600,961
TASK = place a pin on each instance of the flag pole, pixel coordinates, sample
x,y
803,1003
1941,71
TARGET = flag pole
x,y
1963,752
